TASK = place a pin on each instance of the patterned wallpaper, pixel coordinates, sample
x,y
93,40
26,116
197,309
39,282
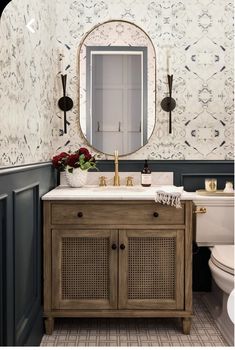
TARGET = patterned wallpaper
x,y
199,35
26,82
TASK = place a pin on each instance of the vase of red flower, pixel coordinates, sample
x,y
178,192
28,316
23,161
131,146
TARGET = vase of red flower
x,y
76,165
78,178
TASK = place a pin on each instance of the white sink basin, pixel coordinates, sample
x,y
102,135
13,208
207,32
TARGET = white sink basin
x,y
119,189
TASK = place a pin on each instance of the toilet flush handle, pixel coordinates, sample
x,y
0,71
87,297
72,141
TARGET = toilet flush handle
x,y
200,211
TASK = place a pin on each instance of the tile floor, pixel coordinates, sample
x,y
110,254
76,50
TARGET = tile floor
x,y
137,332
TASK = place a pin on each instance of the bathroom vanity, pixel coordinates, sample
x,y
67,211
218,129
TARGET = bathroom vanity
x,y
116,254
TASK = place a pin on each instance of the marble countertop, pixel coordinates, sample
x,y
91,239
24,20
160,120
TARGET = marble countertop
x,y
123,193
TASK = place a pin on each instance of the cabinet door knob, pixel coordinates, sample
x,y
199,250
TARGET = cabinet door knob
x,y
114,246
122,246
155,214
80,214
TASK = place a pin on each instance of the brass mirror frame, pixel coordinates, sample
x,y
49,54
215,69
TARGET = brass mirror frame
x,y
79,88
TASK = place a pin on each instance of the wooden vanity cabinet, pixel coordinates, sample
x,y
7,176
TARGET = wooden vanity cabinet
x,y
117,259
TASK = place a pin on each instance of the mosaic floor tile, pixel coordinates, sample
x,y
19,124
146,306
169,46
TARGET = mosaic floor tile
x,y
137,332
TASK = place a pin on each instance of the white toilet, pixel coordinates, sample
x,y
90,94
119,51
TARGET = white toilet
x,y
215,229
222,267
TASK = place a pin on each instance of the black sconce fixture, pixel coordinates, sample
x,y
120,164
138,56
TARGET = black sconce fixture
x,y
65,103
168,104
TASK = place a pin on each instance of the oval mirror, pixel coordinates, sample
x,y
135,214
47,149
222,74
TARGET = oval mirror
x,y
117,96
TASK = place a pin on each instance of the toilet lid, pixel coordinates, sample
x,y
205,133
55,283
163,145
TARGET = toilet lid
x,y
223,257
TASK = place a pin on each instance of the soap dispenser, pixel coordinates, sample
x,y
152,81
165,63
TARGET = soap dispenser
x,y
146,176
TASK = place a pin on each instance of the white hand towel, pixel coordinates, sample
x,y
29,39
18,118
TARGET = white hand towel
x,y
169,195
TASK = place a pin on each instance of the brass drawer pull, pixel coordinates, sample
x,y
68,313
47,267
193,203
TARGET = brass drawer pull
x,y
114,246
200,211
155,214
122,246
80,214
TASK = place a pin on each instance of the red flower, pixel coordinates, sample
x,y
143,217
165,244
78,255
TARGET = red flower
x,y
73,159
86,153
59,161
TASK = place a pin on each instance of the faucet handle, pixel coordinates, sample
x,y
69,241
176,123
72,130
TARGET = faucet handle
x,y
103,181
129,181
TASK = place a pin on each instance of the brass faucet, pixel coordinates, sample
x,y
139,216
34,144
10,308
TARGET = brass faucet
x,y
116,179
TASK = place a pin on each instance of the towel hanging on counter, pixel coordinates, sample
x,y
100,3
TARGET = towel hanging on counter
x,y
169,195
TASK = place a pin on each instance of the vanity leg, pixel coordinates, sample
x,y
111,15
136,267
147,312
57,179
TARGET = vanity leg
x,y
186,325
49,325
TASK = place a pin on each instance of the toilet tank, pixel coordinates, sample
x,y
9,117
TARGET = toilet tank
x,y
216,225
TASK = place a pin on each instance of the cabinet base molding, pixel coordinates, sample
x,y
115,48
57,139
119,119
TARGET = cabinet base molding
x,y
186,317
117,313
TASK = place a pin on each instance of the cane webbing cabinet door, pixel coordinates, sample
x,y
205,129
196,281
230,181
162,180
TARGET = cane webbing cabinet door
x,y
84,269
151,269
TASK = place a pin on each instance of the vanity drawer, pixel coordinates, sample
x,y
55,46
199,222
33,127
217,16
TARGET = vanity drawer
x,y
116,214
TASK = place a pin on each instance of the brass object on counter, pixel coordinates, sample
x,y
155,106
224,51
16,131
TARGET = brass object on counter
x,y
129,181
210,185
200,211
103,181
116,179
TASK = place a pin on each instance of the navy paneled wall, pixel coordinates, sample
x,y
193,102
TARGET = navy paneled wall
x,y
21,252
3,205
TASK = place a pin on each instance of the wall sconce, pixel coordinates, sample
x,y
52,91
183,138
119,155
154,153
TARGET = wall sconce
x,y
65,103
168,104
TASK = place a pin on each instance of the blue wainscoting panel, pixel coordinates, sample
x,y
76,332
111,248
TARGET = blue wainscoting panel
x,y
21,251
27,258
3,208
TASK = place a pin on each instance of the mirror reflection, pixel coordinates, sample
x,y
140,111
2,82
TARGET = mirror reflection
x,y
117,87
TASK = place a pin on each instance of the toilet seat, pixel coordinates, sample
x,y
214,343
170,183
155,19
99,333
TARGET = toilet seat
x,y
222,256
